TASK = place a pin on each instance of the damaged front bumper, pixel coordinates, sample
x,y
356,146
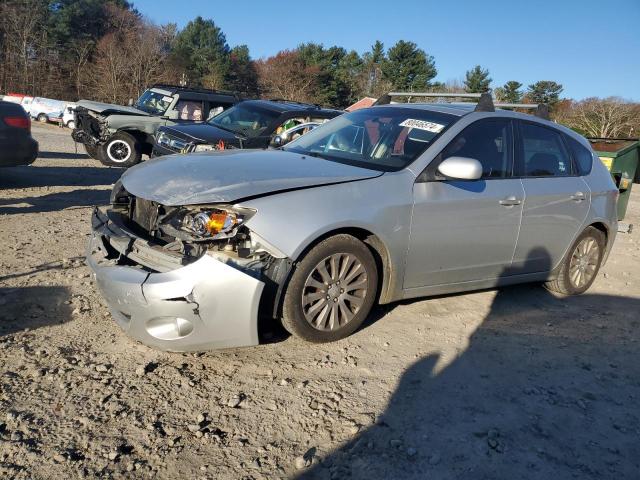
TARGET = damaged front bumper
x,y
91,128
204,305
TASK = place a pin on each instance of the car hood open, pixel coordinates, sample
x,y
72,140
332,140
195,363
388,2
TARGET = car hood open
x,y
233,175
109,108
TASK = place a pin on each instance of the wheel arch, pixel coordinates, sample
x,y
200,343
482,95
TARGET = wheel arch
x,y
377,247
604,228
142,138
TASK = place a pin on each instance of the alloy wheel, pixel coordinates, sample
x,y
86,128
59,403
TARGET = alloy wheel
x,y
334,291
584,262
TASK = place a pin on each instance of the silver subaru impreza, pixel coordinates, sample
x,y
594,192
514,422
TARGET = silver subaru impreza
x,y
378,205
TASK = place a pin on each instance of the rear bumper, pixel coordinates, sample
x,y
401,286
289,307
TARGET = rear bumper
x,y
18,151
201,306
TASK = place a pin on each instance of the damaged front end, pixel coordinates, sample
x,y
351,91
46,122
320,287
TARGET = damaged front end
x,y
90,127
183,278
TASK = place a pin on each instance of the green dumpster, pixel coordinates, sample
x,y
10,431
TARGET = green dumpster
x,y
620,156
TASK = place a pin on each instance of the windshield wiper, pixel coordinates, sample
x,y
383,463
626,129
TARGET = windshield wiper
x,y
314,155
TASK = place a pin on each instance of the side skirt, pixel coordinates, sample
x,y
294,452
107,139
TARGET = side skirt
x,y
447,288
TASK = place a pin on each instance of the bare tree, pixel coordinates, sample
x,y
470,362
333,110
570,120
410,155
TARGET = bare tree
x,y
286,76
606,118
20,22
128,59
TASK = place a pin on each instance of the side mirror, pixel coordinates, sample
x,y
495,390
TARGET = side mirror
x,y
461,168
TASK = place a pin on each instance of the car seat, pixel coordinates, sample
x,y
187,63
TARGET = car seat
x,y
543,165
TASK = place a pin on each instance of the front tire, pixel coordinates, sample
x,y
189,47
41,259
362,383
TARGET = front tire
x,y
42,118
581,264
94,151
121,150
331,291
71,124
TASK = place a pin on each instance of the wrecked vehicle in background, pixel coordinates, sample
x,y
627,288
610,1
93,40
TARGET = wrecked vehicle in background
x,y
381,204
248,124
118,136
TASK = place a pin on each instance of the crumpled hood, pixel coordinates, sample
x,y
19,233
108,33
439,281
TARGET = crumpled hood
x,y
100,107
231,175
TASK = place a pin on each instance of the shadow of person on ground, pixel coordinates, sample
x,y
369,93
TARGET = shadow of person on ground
x,y
54,201
542,391
32,307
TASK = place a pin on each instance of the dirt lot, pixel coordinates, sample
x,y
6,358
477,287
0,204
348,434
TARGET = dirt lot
x,y
516,383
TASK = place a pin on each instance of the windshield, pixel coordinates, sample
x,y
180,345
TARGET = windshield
x,y
245,119
153,102
381,138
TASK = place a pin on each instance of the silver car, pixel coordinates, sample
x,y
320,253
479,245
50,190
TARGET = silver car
x,y
378,205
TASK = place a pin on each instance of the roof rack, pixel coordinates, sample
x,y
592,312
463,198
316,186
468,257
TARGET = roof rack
x,y
485,101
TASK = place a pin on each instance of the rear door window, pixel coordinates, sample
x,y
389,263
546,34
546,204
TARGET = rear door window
x,y
582,156
542,152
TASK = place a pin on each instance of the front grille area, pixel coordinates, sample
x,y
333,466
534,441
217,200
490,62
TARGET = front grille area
x,y
144,213
173,144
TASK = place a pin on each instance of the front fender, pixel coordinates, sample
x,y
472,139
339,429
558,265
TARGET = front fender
x,y
292,221
148,125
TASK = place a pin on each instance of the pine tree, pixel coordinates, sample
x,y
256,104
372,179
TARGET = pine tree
x,y
510,92
477,80
544,91
409,67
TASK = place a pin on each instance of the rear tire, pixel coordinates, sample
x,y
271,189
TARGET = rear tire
x,y
581,264
71,124
121,150
331,290
42,118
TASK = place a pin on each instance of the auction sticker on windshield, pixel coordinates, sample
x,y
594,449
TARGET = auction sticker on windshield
x,y
422,125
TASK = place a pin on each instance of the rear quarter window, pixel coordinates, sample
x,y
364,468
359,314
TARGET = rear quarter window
x,y
582,156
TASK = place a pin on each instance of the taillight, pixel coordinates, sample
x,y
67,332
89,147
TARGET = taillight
x,y
18,122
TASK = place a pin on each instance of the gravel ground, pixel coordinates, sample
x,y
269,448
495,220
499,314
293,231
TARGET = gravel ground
x,y
515,383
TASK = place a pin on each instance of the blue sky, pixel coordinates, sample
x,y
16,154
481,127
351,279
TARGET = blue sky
x,y
592,47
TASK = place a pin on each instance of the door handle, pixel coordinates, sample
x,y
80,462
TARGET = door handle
x,y
578,196
509,201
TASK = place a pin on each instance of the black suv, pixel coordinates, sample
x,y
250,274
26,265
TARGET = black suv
x,y
248,124
118,135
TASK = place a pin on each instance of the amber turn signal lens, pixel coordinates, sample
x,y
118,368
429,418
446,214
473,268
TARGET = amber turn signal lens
x,y
217,222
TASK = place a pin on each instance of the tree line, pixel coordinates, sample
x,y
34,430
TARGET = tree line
x,y
106,50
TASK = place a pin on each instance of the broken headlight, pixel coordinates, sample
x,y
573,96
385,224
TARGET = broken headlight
x,y
210,223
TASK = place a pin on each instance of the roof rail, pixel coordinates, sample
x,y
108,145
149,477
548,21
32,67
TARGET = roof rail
x,y
284,100
194,89
485,101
